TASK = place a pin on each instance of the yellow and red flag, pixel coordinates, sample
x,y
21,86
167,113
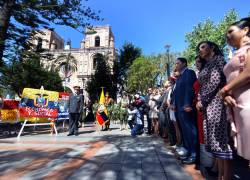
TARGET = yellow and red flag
x,y
102,113
38,103
9,112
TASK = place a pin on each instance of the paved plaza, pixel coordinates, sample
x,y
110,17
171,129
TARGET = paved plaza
x,y
91,155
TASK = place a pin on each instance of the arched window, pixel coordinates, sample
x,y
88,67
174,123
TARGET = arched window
x,y
94,62
39,44
96,59
97,41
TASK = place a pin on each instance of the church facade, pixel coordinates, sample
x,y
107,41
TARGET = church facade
x,y
98,40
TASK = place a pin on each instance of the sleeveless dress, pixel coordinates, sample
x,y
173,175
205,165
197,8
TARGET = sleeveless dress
x,y
241,113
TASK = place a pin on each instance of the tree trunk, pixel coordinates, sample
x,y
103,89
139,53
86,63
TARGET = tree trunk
x,y
5,14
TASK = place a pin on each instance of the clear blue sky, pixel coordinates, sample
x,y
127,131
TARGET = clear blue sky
x,y
151,24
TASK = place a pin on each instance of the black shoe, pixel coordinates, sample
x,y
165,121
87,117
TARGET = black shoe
x,y
141,132
76,134
211,173
183,157
172,144
70,134
190,160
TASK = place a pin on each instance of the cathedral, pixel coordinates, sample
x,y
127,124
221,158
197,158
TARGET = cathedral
x,y
97,40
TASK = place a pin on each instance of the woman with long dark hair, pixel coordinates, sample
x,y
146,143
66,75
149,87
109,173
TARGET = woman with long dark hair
x,y
215,122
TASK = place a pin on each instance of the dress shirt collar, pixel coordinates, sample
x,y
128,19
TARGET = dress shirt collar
x,y
183,70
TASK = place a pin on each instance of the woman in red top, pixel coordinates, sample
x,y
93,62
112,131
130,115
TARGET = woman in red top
x,y
199,65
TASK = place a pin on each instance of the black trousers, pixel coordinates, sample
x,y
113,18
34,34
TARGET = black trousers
x,y
149,121
73,122
170,128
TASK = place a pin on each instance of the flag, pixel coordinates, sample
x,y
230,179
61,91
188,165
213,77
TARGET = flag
x,y
101,118
9,112
63,106
102,113
102,98
38,103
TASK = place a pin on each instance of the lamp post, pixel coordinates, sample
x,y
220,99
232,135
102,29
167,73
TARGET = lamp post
x,y
161,71
167,47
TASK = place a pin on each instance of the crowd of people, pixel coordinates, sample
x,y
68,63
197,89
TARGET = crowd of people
x,y
203,113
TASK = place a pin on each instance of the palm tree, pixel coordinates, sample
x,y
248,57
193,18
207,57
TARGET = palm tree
x,y
66,64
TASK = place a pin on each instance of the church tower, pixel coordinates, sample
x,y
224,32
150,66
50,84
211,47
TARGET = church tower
x,y
100,36
98,40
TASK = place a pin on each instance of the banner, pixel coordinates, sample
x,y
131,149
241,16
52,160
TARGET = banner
x,y
63,106
9,111
38,103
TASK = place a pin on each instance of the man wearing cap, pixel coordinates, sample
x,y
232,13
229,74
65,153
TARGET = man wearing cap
x,y
139,103
75,105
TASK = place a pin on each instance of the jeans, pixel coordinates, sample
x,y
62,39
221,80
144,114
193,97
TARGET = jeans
x,y
149,120
137,129
131,123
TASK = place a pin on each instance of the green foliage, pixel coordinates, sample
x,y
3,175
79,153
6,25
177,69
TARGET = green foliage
x,y
20,18
165,62
149,71
128,53
142,74
65,62
28,73
101,78
208,30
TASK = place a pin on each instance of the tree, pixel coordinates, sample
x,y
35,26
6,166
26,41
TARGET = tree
x,y
142,75
101,78
66,63
128,53
20,18
208,30
164,63
29,73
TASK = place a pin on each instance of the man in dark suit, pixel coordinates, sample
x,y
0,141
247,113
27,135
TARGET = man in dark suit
x,y
184,97
75,106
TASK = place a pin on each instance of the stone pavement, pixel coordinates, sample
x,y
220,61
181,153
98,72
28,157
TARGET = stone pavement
x,y
111,155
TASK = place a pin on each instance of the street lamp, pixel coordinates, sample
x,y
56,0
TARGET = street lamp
x,y
167,47
162,70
